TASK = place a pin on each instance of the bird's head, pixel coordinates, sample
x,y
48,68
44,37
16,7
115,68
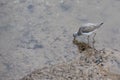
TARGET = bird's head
x,y
75,35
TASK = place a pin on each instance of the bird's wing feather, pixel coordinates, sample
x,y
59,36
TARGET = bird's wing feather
x,y
87,29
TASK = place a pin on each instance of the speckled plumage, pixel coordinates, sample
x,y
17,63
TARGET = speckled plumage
x,y
87,29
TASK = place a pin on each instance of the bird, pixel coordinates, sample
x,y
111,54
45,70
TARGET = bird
x,y
87,29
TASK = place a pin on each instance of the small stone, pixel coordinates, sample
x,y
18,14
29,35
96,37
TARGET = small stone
x,y
36,46
30,8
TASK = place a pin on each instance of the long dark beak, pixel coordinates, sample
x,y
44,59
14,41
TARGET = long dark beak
x,y
74,37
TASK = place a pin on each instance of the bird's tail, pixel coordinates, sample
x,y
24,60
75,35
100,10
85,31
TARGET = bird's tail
x,y
99,25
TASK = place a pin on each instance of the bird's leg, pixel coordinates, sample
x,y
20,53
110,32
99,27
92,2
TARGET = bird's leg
x,y
88,39
94,40
74,38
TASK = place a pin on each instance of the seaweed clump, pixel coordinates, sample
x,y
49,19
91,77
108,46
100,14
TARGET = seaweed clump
x,y
82,46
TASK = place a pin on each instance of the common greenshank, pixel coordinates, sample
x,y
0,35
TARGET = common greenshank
x,y
87,29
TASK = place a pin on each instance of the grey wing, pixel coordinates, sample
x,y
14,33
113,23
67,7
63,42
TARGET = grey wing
x,y
87,29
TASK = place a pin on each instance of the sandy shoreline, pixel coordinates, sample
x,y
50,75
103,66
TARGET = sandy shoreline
x,y
90,64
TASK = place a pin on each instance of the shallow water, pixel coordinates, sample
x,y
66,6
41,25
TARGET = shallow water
x,y
35,33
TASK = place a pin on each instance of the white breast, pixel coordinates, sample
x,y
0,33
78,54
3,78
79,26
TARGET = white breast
x,y
87,33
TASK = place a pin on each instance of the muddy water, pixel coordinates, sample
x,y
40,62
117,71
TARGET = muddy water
x,y
35,33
